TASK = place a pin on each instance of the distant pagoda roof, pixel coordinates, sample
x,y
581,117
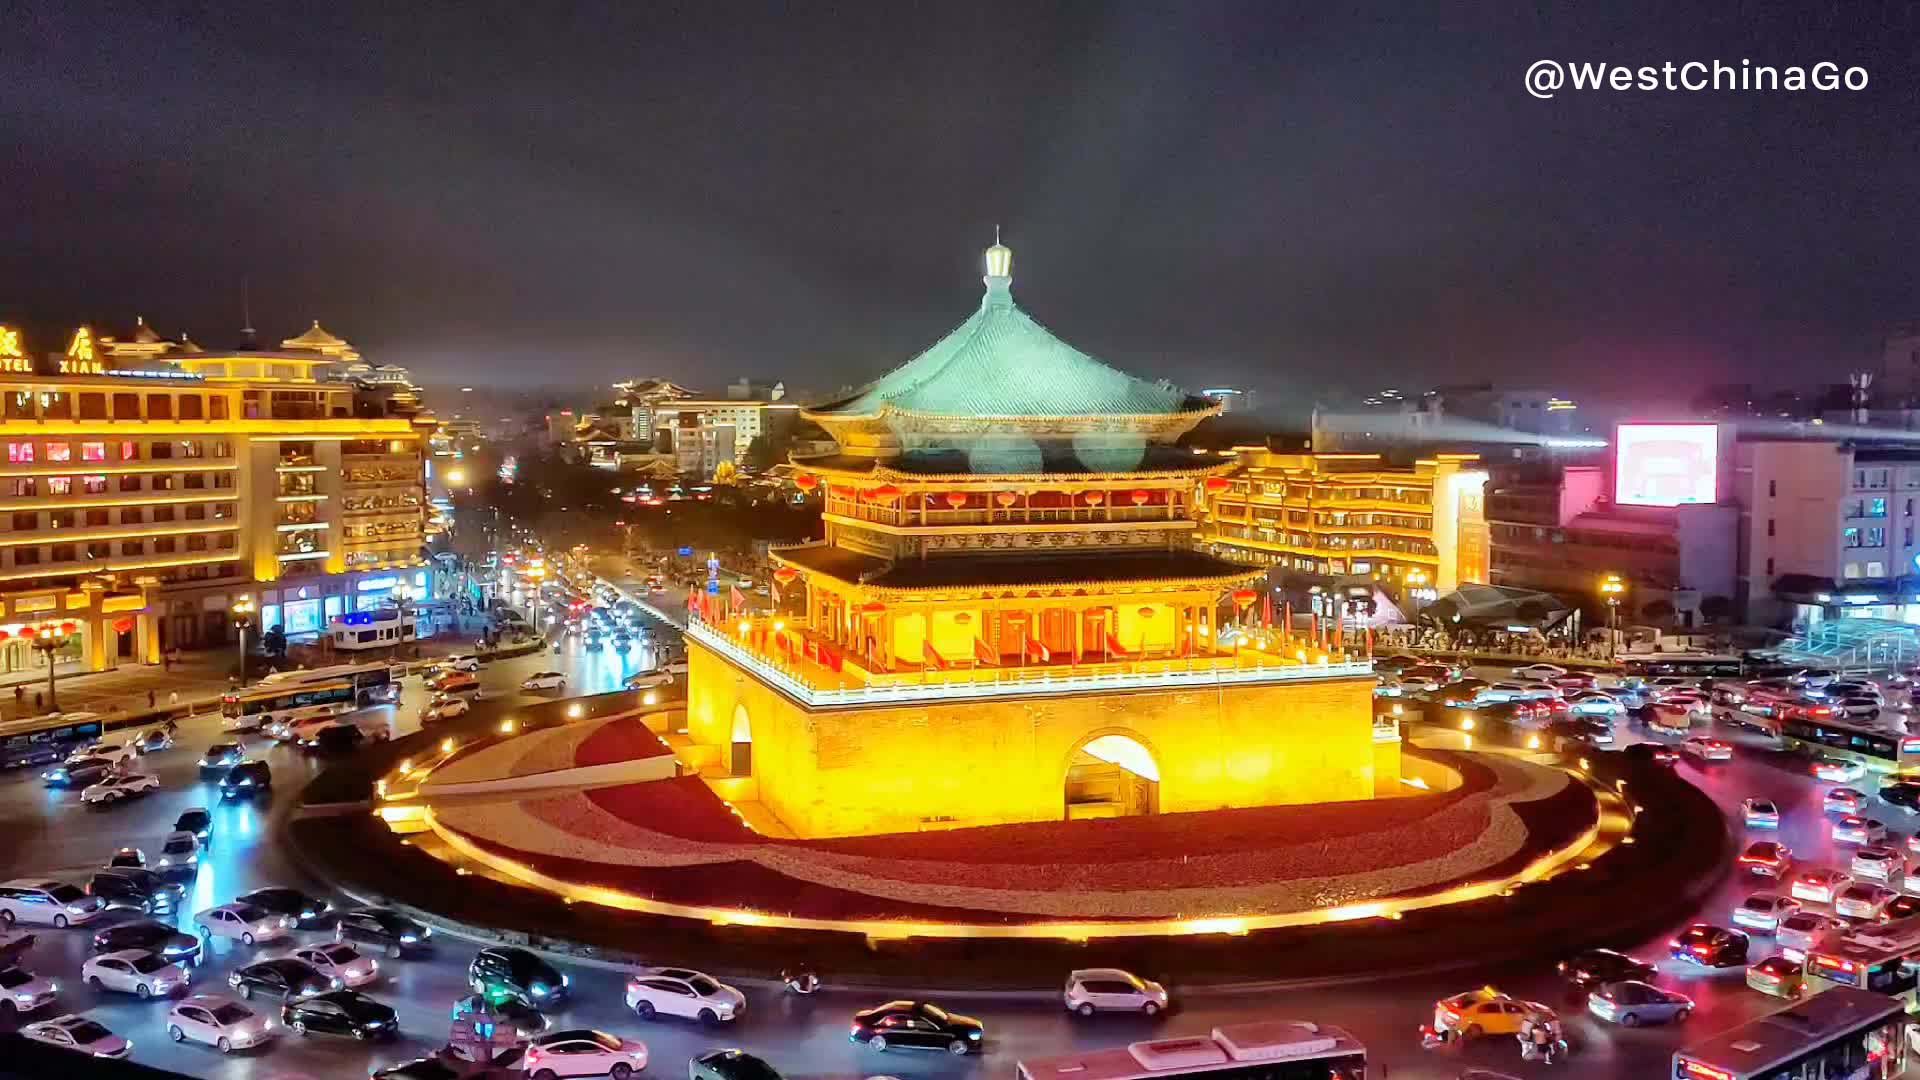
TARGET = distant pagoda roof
x,y
1041,571
1001,365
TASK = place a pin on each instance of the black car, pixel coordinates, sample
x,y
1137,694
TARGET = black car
x,y
389,930
1590,969
426,1068
1904,794
150,936
130,886
503,971
246,780
220,757
1710,946
198,821
303,909
340,1012
1900,907
342,738
80,772
916,1025
730,1065
282,978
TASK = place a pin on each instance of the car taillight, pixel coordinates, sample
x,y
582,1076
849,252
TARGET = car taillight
x,y
1701,950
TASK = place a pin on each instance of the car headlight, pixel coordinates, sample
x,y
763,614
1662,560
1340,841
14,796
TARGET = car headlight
x,y
539,991
408,939
246,782
308,914
566,980
973,1035
165,862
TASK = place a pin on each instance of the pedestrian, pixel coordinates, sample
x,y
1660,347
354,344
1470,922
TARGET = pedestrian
x,y
151,699
39,701
173,698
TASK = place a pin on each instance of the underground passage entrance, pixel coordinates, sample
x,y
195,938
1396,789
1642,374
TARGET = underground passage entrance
x,y
1112,776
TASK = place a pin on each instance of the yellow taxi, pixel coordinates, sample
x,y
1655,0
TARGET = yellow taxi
x,y
1778,976
1485,1011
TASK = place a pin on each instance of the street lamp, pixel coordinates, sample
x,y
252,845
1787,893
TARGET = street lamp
x,y
1610,589
242,619
49,638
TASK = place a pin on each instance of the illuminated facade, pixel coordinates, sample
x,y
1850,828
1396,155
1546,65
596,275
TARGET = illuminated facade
x,y
148,484
1354,514
1007,619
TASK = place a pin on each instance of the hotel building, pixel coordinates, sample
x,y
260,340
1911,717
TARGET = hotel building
x,y
148,484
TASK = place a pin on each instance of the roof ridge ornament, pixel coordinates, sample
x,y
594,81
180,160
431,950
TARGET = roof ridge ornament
x,y
999,279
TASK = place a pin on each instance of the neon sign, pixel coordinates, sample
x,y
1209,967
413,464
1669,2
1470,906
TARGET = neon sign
x,y
80,358
12,355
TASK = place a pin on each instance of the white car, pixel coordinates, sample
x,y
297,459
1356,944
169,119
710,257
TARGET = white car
x,y
1539,671
544,680
242,922
459,663
112,750
583,1052
134,971
444,709
1763,911
1595,703
342,964
218,1021
1092,990
1878,862
1799,932
641,680
79,1034
684,993
179,853
116,788
55,903
1707,749
21,991
1863,900
1837,770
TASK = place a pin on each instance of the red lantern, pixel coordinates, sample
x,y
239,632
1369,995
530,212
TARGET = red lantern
x,y
122,625
874,608
68,628
805,481
1218,484
956,499
4,635
29,632
1095,498
1244,597
1006,498
1140,498
884,493
1146,613
785,575
840,492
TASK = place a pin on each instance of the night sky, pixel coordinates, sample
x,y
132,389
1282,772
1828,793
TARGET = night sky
x,y
1271,194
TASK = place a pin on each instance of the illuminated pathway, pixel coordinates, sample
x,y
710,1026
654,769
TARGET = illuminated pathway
x,y
49,832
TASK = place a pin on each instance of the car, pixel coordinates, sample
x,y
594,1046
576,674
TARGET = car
x,y
1842,800
391,931
642,680
1813,677
128,857
1901,907
338,737
285,977
522,1022
1854,829
152,741
1877,862
468,664
444,708
242,922
1663,714
246,780
917,1025
345,967
1862,900
445,1065
453,682
304,910
137,888
197,820
582,1052
1539,671
1595,703
1859,707
1574,680
21,991
1760,813
685,993
1710,946
114,789
1767,858
1705,749
544,680
503,971
1780,976
1654,752
79,772
1633,1002
1763,911
220,757
340,1012
1820,885
148,936
1902,793
730,1065
1485,1011
1800,932
118,750
1091,990
1837,770
1594,967
179,853
134,971
80,1034
218,1021
53,903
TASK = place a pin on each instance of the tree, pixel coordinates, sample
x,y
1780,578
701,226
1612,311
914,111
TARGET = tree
x,y
1716,608
759,454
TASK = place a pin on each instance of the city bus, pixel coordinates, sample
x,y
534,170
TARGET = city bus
x,y
1882,957
1258,1050
1694,666
375,684
41,739
378,629
1824,730
264,707
1843,1032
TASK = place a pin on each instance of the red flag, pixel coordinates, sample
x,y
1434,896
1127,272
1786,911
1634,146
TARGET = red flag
x,y
1266,610
1369,640
931,656
984,652
1037,650
736,600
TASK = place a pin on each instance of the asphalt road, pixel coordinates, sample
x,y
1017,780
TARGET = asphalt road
x,y
51,834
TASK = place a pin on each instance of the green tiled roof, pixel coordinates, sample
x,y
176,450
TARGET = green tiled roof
x,y
1001,362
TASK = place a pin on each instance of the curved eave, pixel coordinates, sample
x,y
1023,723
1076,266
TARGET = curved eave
x,y
999,481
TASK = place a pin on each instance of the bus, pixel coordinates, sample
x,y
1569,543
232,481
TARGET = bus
x,y
1258,1050
378,629
1843,1032
265,707
46,738
1685,665
1879,747
1881,957
375,684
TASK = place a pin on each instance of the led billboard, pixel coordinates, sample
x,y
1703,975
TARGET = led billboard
x,y
1666,464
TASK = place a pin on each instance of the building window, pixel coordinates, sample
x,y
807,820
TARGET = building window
x,y
133,547
1769,567
163,451
191,448
224,449
223,511
133,515
20,453
1850,571
55,405
162,513
163,545
130,483
1773,488
1877,507
217,407
26,522
59,485
1876,537
126,406
99,549
1906,536
26,556
159,407
63,553
129,450
93,451
1876,569
98,517
1769,526
196,512
225,541
94,485
1850,538
195,481
61,519
93,406
163,482
197,542
24,486
59,451
191,407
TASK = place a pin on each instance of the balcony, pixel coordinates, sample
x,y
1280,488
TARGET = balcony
x,y
931,517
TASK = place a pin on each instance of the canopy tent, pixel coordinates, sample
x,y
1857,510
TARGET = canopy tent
x,y
1496,607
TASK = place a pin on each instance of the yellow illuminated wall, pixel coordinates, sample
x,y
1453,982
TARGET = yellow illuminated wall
x,y
851,772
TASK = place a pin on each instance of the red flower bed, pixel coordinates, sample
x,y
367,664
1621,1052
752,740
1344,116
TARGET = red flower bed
x,y
624,739
683,807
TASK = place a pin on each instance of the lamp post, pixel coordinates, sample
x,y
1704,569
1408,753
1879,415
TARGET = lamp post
x,y
49,638
1610,589
242,619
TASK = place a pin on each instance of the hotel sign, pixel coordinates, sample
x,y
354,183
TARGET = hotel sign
x,y
80,358
13,356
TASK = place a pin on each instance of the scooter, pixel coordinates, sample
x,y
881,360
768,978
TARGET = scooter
x,y
1550,1051
801,981
1433,1038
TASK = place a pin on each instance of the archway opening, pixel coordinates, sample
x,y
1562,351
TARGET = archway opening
x,y
1112,776
740,761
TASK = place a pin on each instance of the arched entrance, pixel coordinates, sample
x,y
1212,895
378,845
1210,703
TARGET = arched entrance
x,y
740,763
1111,775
